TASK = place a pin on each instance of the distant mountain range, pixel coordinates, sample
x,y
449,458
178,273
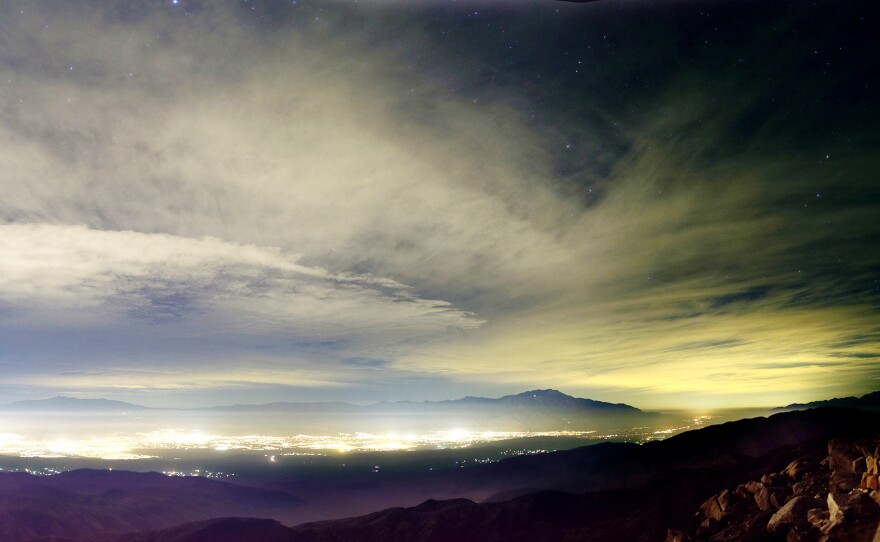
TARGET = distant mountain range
x,y
71,404
870,401
535,399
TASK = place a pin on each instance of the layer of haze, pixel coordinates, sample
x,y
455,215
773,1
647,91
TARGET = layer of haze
x,y
653,203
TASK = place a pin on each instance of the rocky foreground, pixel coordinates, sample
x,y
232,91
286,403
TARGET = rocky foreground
x,y
834,498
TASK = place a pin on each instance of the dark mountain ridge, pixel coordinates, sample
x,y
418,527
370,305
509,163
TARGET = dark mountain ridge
x,y
86,502
547,399
869,401
538,399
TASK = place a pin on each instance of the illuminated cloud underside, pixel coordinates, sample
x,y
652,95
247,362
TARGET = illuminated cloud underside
x,y
277,205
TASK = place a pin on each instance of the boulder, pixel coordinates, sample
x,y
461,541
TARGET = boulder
x,y
727,500
847,460
843,458
842,453
792,514
835,514
748,490
716,508
796,469
742,491
774,479
819,518
858,520
711,510
770,498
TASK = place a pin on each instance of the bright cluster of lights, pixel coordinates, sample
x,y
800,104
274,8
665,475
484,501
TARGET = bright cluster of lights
x,y
218,475
150,444
142,445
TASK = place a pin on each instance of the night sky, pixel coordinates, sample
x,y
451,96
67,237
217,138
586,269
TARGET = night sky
x,y
664,203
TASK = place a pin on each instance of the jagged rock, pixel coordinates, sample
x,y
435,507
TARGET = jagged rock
x,y
796,469
858,520
727,500
792,514
770,498
749,489
819,519
834,512
711,509
843,455
774,479
807,501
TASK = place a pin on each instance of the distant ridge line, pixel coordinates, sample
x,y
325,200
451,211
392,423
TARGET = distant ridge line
x,y
547,398
870,401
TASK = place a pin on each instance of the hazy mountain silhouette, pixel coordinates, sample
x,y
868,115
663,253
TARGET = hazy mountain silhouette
x,y
71,404
870,401
539,399
535,399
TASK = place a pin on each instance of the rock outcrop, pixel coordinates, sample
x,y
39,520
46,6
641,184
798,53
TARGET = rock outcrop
x,y
833,500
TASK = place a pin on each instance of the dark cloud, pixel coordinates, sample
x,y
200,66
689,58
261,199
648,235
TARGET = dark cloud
x,y
370,363
749,295
707,345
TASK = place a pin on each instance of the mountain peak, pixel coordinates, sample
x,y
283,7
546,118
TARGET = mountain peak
x,y
555,399
548,393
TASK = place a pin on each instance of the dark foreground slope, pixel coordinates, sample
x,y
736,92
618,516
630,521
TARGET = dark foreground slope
x,y
620,492
84,502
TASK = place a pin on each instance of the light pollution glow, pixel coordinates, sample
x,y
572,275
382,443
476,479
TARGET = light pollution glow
x,y
144,445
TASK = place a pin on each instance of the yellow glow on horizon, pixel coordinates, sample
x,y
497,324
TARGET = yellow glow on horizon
x,y
764,358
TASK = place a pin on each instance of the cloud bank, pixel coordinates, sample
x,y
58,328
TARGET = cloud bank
x,y
279,197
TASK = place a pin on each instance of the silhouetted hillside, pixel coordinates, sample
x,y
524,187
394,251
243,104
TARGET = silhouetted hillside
x,y
85,502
